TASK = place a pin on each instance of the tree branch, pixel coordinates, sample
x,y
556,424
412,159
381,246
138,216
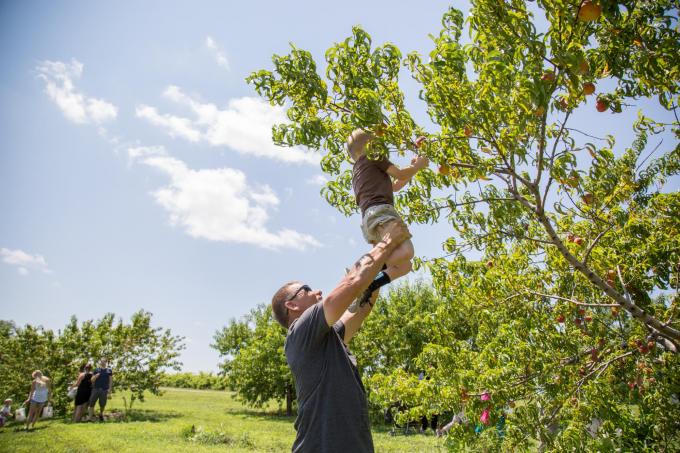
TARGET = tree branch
x,y
587,135
595,241
583,304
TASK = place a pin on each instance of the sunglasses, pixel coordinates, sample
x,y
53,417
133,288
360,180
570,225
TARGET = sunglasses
x,y
301,288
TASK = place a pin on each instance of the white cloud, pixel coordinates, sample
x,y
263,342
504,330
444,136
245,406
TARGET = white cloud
x,y
245,125
217,53
218,204
77,107
24,261
317,180
145,151
176,126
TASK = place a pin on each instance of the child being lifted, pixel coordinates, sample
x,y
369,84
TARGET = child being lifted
x,y
374,182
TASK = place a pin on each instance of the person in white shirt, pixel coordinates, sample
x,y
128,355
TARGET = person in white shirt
x,y
6,411
38,396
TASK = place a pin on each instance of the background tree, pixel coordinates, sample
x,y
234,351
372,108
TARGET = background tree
x,y
571,230
137,352
254,361
399,328
22,351
200,381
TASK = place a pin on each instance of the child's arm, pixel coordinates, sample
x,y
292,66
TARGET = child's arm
x,y
403,175
30,392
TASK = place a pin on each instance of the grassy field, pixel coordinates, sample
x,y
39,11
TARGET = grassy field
x,y
164,424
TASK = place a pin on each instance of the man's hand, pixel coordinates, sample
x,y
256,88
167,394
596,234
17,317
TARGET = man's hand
x,y
419,141
395,232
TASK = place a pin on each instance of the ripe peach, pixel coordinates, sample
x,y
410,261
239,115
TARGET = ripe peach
x,y
548,76
589,12
601,105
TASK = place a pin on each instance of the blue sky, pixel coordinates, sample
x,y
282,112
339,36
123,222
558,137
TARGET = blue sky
x,y
137,170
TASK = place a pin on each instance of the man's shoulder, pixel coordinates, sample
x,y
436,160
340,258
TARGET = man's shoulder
x,y
310,326
308,318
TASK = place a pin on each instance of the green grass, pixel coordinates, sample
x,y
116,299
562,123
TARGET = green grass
x,y
163,424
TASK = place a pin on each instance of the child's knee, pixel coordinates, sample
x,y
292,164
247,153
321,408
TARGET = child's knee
x,y
409,251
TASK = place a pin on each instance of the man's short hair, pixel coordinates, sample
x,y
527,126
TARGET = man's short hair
x,y
357,141
279,309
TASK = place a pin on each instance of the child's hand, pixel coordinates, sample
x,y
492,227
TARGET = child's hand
x,y
420,162
419,141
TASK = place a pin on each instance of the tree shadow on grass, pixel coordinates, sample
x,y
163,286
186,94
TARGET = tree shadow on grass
x,y
20,427
262,414
140,415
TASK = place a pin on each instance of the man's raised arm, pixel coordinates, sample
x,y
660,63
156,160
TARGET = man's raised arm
x,y
363,272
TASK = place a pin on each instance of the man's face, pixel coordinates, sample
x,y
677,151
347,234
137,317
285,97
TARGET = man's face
x,y
102,363
302,296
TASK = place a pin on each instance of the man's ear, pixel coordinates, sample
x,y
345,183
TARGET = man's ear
x,y
291,305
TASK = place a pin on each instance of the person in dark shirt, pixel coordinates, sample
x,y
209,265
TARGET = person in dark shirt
x,y
84,389
102,385
374,182
332,408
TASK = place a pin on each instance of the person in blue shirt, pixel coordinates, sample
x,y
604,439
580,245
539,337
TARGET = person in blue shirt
x,y
102,384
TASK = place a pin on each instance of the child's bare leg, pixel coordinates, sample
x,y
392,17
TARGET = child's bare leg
x,y
399,262
397,265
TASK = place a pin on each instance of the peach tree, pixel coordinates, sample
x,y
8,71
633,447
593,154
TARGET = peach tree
x,y
254,363
572,312
137,352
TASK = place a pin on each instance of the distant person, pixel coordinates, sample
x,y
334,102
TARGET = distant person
x,y
6,411
424,420
332,407
38,396
84,385
102,384
458,418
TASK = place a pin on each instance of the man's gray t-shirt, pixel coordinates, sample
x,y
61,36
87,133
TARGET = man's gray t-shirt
x,y
332,408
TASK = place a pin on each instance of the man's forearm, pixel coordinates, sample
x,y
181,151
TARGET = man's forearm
x,y
363,272
353,321
368,266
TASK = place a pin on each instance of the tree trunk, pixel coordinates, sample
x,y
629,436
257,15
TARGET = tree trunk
x,y
289,399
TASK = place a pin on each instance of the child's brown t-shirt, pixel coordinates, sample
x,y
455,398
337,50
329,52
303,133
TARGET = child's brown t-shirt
x,y
371,183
